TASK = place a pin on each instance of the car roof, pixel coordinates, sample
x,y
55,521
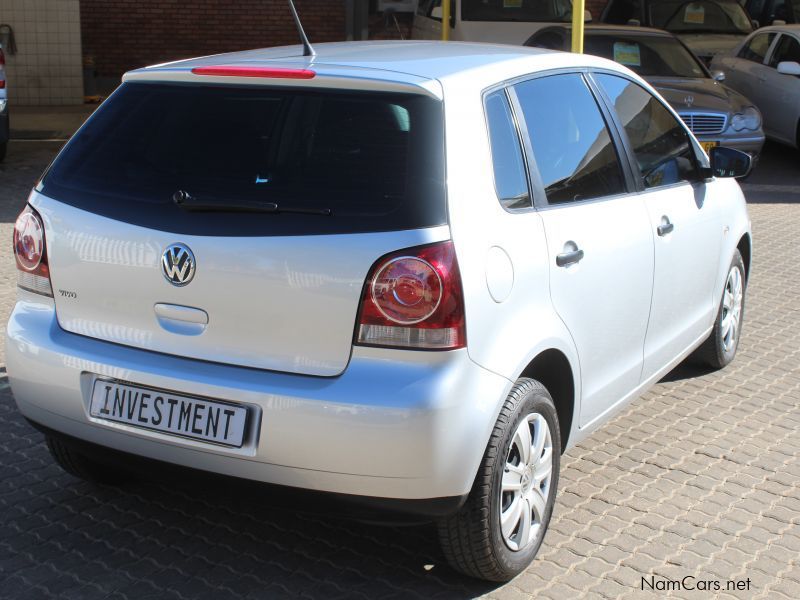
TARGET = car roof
x,y
404,63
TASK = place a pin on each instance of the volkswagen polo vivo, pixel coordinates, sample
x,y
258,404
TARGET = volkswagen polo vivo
x,y
413,273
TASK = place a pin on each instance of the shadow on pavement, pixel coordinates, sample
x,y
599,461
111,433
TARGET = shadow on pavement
x,y
60,536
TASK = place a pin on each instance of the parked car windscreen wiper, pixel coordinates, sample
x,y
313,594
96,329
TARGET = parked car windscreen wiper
x,y
189,203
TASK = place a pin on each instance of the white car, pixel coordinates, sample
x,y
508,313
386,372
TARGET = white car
x,y
766,69
409,273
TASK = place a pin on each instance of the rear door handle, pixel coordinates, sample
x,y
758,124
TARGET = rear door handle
x,y
569,258
665,227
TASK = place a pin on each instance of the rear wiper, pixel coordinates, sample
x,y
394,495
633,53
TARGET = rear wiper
x,y
189,203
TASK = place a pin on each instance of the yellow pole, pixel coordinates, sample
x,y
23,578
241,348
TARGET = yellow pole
x,y
445,20
578,9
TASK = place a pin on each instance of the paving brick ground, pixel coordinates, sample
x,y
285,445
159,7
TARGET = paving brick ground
x,y
699,478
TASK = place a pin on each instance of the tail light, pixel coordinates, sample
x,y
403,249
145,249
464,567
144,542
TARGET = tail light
x,y
414,299
30,252
2,69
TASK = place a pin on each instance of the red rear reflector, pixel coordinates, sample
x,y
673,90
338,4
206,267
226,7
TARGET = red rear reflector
x,y
269,73
2,83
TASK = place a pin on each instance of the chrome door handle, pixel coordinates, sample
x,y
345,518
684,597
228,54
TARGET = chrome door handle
x,y
569,258
665,227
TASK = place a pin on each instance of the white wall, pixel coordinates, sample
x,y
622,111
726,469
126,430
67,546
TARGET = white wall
x,y
48,66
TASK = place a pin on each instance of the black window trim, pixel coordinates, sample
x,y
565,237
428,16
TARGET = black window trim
x,y
518,129
539,195
639,187
634,183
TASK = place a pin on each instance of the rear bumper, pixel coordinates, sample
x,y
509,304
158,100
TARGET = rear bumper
x,y
364,508
395,425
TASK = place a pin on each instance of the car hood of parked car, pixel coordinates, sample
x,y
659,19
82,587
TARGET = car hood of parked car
x,y
711,44
699,94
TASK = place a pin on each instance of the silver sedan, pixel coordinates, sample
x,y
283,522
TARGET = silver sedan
x,y
766,68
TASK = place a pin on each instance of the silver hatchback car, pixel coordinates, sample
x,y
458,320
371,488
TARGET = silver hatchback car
x,y
409,273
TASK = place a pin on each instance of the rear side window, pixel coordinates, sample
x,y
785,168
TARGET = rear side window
x,y
571,143
376,160
510,180
661,144
756,49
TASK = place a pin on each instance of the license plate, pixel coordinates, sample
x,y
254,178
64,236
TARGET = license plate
x,y
167,412
707,146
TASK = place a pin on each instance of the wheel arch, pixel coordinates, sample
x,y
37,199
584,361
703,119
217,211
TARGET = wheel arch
x,y
746,250
553,370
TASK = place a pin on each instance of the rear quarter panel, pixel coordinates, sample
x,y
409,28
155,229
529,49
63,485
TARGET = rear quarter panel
x,y
513,322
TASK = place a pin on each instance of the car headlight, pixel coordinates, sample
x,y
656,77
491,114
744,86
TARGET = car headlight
x,y
749,118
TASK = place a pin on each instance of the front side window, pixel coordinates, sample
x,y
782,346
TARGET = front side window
x,y
571,144
756,49
788,50
509,167
661,144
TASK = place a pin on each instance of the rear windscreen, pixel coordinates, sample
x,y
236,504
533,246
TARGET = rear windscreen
x,y
374,160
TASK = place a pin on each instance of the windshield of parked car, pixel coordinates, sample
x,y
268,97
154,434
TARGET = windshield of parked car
x,y
647,55
516,10
704,16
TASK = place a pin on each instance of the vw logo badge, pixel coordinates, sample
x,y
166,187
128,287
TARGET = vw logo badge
x,y
177,264
688,100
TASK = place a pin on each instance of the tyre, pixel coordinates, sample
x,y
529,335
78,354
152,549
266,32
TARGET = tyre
x,y
3,149
81,466
720,348
500,528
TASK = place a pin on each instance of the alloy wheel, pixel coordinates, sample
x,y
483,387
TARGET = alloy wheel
x,y
732,309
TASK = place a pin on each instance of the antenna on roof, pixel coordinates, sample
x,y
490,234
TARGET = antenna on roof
x,y
308,50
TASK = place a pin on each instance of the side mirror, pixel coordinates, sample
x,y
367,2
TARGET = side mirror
x,y
779,22
634,22
587,16
727,162
718,76
789,67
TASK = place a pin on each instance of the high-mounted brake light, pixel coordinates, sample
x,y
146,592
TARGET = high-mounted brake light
x,y
265,72
414,299
2,70
30,252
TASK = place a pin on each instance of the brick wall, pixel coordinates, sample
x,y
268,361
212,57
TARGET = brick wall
x,y
126,34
